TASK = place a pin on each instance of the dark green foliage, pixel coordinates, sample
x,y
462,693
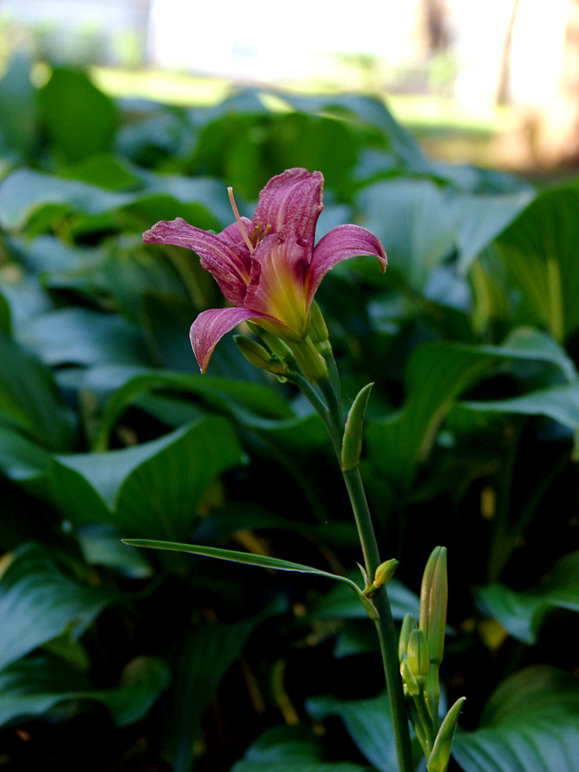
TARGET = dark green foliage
x,y
107,431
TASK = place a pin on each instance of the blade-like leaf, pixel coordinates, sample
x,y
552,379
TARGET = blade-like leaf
x,y
252,560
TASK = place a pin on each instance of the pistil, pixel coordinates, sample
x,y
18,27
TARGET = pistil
x,y
238,219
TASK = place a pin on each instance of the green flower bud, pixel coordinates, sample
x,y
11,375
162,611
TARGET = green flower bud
x,y
318,328
354,430
408,624
385,572
433,603
418,654
259,356
440,755
432,692
408,679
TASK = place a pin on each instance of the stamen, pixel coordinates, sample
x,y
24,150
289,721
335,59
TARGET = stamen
x,y
238,219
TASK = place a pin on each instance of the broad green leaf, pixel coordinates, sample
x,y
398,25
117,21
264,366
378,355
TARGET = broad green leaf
x,y
237,399
203,660
561,404
5,316
436,376
38,602
530,724
367,722
249,559
29,399
101,546
290,749
18,110
523,613
80,119
478,220
338,603
540,252
81,336
22,460
31,687
154,488
29,197
26,192
106,171
410,218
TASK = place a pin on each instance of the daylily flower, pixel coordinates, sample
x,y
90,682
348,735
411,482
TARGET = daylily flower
x,y
268,267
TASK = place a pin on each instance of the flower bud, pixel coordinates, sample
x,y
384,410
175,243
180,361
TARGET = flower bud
x,y
408,624
408,679
418,654
354,430
385,572
318,328
432,692
258,356
433,603
440,755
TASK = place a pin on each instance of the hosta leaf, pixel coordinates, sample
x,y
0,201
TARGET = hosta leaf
x,y
530,724
153,489
522,613
35,199
80,119
18,109
368,723
21,459
290,749
38,602
478,220
410,218
436,376
29,399
561,404
31,687
341,604
540,252
80,336
203,660
240,400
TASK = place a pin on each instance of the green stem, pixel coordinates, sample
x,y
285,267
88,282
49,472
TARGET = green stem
x,y
385,623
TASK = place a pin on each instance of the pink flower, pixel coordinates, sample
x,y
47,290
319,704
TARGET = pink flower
x,y
268,267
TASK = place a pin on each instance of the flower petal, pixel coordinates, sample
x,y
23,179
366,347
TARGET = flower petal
x,y
225,259
277,284
210,326
232,235
292,197
339,244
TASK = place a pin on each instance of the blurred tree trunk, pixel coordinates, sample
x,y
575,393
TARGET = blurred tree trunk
x,y
560,129
436,25
502,96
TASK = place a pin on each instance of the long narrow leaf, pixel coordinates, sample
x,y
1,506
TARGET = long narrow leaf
x,y
251,560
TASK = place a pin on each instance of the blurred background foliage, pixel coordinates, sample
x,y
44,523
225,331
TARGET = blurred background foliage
x,y
116,659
